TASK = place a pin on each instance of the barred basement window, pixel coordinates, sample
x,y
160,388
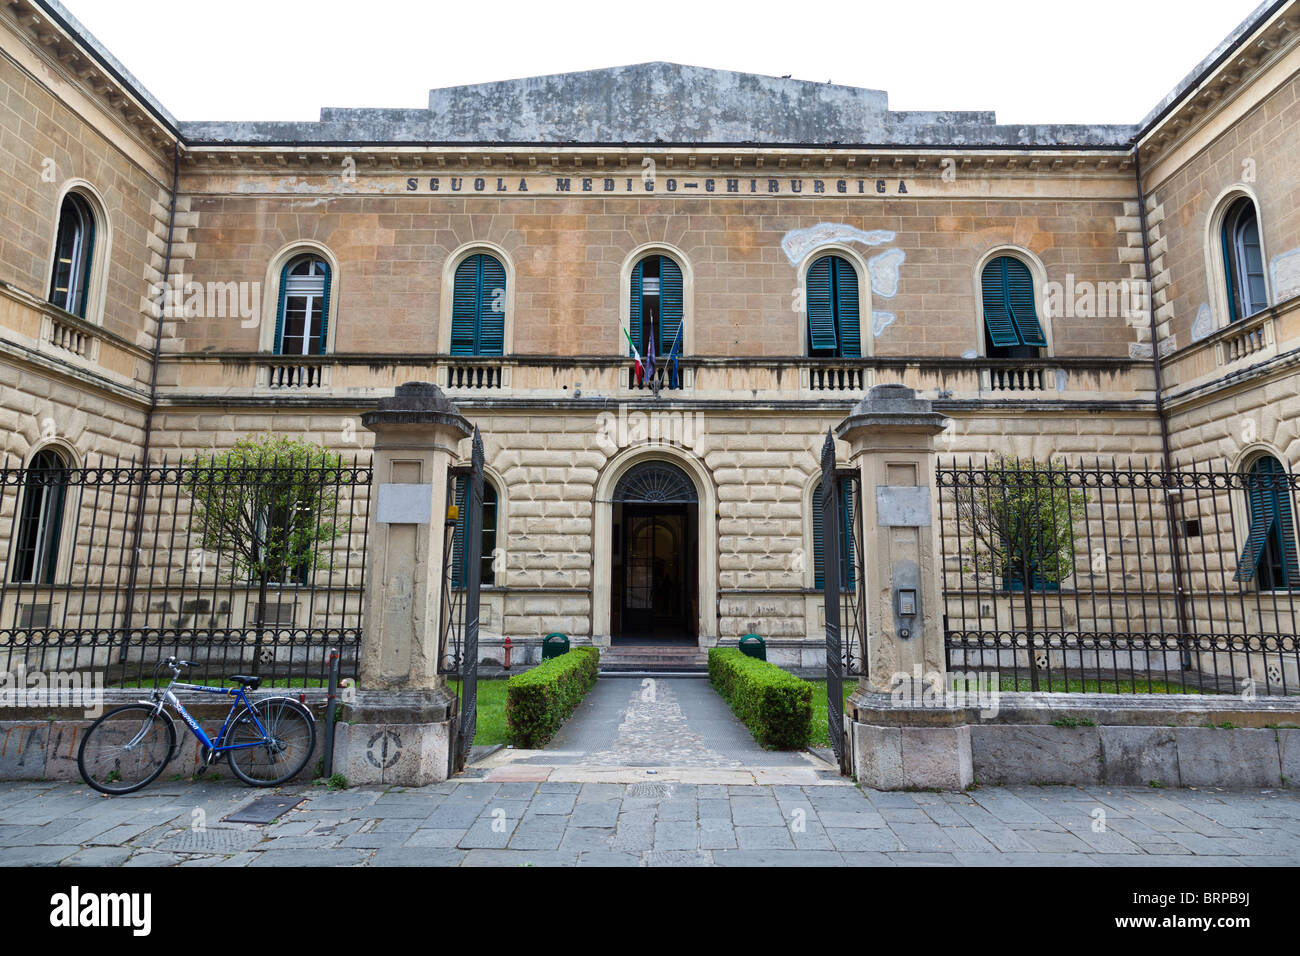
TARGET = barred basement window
x,y
70,280
1243,261
36,555
833,310
1011,327
302,317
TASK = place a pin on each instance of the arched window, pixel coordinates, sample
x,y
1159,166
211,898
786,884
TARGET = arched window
x,y
1011,327
40,520
70,280
1269,557
1243,260
657,305
478,307
846,538
833,311
488,537
302,316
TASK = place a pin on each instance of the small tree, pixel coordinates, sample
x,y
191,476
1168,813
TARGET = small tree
x,y
268,505
1020,522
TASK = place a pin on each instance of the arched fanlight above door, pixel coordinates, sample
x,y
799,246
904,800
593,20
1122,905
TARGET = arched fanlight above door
x,y
656,483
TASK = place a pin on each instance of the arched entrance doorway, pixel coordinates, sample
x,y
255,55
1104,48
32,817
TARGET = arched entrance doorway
x,y
655,556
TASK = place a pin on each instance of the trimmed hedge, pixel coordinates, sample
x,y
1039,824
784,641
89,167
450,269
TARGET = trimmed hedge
x,y
775,705
540,699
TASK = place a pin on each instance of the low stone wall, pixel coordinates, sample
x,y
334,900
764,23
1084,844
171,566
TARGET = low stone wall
x,y
1081,739
41,743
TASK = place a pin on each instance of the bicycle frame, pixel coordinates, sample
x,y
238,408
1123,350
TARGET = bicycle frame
x,y
169,697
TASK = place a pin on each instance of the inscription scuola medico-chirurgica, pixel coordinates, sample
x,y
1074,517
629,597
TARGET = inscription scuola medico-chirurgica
x,y
760,186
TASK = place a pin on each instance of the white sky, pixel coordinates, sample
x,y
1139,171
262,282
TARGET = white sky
x,y
1105,61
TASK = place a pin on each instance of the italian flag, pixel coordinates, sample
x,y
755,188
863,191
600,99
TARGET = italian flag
x,y
636,358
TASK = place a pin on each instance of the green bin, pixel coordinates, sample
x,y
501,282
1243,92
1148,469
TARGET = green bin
x,y
751,645
553,645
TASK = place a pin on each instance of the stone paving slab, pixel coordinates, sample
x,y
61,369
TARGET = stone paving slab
x,y
469,822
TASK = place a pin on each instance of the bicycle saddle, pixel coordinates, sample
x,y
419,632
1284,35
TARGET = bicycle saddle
x,y
252,683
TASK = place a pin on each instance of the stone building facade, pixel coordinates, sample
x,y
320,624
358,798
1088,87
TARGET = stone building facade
x,y
569,183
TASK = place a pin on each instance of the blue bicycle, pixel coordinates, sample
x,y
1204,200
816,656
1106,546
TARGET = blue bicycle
x,y
267,742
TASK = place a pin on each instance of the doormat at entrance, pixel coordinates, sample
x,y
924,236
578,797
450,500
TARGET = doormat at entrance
x,y
264,810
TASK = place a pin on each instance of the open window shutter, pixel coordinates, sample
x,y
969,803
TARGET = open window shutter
x,y
634,313
464,305
458,548
1275,489
324,308
1230,270
1261,525
492,316
997,310
821,318
846,306
846,538
670,303
278,344
1020,296
819,576
1251,264
88,253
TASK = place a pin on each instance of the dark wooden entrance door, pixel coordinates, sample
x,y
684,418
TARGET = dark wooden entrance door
x,y
658,573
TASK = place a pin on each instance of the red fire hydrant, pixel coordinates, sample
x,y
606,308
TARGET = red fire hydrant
x,y
507,647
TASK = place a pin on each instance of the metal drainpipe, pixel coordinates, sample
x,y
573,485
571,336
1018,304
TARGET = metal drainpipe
x,y
1180,592
138,520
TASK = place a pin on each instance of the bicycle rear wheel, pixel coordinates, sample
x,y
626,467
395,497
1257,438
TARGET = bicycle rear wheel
x,y
126,749
278,755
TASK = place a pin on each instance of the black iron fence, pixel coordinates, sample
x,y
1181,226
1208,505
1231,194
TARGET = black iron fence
x,y
238,563
1122,578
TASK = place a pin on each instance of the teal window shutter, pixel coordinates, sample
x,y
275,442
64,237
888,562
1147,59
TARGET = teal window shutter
x,y
634,315
846,308
997,311
1229,270
278,342
846,537
87,255
821,315
670,303
1268,495
324,306
1020,299
492,307
819,574
458,548
464,307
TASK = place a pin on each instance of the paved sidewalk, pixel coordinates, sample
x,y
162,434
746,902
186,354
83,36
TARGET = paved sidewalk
x,y
484,823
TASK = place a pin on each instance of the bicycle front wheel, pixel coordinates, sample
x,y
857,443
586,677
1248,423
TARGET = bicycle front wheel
x,y
265,760
126,749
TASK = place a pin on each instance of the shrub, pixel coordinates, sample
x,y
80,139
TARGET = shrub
x,y
775,705
538,701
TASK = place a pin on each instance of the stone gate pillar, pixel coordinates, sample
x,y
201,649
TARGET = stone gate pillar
x,y
901,735
401,721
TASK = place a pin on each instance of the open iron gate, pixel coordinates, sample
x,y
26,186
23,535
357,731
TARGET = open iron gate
x,y
842,588
461,577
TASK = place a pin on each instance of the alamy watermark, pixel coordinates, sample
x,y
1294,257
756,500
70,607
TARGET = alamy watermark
x,y
979,690
637,427
181,298
24,689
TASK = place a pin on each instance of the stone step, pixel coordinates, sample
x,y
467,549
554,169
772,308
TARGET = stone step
x,y
652,657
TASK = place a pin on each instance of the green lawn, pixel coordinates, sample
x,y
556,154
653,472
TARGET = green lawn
x,y
1059,685
819,735
491,726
